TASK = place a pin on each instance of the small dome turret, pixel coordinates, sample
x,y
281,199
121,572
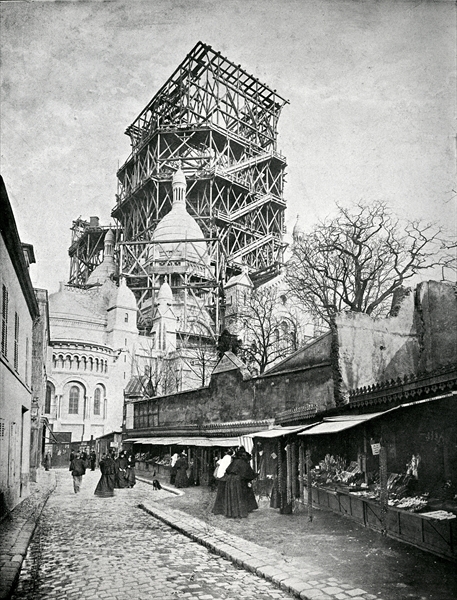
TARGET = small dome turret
x,y
298,231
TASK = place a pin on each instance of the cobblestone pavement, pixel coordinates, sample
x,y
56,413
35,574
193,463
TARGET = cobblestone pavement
x,y
89,548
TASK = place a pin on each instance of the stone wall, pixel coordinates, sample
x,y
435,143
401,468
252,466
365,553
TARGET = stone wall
x,y
420,337
436,316
360,351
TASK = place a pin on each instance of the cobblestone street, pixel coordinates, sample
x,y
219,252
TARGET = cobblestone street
x,y
91,548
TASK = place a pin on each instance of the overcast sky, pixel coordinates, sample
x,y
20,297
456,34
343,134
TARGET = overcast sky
x,y
371,86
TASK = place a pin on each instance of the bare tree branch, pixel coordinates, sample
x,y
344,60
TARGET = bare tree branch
x,y
357,260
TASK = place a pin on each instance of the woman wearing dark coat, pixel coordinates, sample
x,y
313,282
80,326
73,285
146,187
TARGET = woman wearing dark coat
x,y
250,496
131,479
121,471
239,473
181,465
106,484
221,478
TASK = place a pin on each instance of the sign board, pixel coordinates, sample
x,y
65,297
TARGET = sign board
x,y
376,448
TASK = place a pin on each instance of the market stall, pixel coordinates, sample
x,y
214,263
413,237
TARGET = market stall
x,y
392,471
155,453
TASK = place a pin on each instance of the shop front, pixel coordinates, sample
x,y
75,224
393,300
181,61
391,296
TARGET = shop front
x,y
393,471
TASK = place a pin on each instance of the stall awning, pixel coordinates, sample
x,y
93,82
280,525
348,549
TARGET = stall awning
x,y
157,441
207,442
224,442
336,424
278,431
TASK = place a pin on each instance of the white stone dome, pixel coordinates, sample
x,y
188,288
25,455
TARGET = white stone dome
x,y
165,294
298,231
124,298
178,226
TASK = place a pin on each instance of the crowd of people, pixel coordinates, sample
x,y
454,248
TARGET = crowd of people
x,y
235,497
233,475
117,471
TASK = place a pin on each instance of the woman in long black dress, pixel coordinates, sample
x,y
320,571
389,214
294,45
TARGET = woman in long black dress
x,y
121,471
181,465
131,479
239,473
105,486
221,478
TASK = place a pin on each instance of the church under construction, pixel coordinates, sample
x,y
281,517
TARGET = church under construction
x,y
220,124
198,220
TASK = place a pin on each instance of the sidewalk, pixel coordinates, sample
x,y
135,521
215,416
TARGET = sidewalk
x,y
331,557
17,530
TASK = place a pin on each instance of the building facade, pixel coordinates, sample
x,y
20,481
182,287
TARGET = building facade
x,y
93,340
19,310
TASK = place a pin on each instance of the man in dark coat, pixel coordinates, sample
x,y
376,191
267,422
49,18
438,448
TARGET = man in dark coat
x,y
78,469
93,460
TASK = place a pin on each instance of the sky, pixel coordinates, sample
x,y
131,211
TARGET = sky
x,y
371,86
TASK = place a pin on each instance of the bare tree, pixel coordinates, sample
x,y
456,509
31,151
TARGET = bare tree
x,y
358,259
155,371
200,359
270,331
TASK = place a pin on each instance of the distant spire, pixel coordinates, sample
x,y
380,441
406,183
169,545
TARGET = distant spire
x,y
297,233
109,243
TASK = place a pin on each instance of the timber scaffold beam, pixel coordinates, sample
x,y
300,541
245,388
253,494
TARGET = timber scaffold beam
x,y
86,249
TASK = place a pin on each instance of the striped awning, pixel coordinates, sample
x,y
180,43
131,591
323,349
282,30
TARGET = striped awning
x,y
278,431
222,442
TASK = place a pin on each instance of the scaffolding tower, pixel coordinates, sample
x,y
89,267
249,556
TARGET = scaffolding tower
x,y
221,123
86,249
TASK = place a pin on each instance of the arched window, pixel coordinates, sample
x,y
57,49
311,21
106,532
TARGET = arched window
x,y
97,401
73,401
48,399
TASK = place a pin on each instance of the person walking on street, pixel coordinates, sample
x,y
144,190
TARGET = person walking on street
x,y
131,479
181,465
78,469
47,461
93,460
239,473
121,470
221,478
107,481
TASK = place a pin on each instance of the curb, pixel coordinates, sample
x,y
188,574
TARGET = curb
x,y
267,569
11,561
288,575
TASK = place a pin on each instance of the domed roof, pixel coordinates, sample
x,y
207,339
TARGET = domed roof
x,y
179,177
79,304
165,294
106,269
109,237
102,272
179,225
124,297
298,230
